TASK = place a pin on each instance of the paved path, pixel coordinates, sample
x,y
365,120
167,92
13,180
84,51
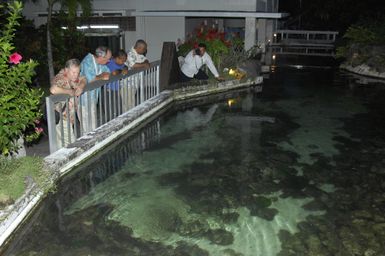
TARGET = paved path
x,y
40,149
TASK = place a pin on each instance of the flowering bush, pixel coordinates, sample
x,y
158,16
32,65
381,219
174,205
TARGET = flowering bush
x,y
217,43
33,132
19,104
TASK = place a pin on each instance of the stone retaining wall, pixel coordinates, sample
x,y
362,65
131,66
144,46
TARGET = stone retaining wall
x,y
364,70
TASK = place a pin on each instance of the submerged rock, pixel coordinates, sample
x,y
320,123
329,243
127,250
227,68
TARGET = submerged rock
x,y
231,252
196,228
185,249
220,236
230,218
264,213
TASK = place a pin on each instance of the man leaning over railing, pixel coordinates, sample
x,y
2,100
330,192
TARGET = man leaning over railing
x,y
136,59
68,82
94,68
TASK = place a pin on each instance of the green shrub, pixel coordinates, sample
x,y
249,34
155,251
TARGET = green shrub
x,y
342,52
19,104
15,174
360,35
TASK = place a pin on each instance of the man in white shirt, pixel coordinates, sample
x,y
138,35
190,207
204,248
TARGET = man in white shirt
x,y
136,56
193,62
136,59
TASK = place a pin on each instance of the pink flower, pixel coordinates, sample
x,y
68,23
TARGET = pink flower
x,y
38,129
15,58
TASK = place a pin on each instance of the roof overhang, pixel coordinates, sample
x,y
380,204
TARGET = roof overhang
x,y
218,14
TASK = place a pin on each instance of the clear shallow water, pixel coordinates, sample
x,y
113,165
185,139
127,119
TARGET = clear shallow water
x,y
295,170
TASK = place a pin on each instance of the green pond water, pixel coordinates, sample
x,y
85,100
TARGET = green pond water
x,y
297,169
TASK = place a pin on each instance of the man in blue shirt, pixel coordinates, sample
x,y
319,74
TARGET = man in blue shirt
x,y
94,68
111,97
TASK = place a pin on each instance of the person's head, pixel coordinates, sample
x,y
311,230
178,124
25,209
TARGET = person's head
x,y
140,46
202,48
72,69
120,57
102,55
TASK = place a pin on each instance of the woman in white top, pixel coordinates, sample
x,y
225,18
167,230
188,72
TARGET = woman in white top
x,y
193,62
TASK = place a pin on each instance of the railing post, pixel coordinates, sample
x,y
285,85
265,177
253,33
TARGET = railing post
x,y
141,86
157,79
51,122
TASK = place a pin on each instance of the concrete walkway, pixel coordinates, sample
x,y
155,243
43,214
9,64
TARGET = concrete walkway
x,y
40,149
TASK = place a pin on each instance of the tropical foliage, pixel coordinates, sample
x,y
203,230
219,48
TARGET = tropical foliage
x,y
363,44
19,104
71,8
32,43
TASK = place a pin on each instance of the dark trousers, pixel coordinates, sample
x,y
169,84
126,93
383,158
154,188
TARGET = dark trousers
x,y
201,75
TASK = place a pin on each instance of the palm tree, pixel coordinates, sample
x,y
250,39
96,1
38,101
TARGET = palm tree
x,y
71,7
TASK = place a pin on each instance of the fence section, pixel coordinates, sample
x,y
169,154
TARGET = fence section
x,y
307,37
69,118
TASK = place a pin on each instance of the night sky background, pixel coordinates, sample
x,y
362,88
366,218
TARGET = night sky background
x,y
336,15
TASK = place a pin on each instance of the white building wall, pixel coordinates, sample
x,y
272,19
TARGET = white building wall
x,y
31,9
114,4
261,32
269,31
196,5
130,38
250,32
156,30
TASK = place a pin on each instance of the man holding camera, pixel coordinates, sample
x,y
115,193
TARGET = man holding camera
x,y
193,62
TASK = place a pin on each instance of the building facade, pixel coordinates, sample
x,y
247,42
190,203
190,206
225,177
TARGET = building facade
x,y
120,23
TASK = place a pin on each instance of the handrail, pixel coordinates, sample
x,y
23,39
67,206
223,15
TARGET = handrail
x,y
113,97
305,32
304,37
100,83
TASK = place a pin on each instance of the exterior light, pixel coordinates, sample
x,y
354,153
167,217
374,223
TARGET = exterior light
x,y
82,27
230,102
273,57
275,35
237,73
104,26
94,27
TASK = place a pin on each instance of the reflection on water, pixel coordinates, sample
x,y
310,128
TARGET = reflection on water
x,y
295,170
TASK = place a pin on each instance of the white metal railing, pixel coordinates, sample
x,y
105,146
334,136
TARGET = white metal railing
x,y
100,102
302,50
304,37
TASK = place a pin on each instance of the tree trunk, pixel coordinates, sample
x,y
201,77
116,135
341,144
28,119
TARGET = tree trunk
x,y
51,71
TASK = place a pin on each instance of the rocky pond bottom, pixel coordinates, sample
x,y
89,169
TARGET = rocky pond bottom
x,y
298,169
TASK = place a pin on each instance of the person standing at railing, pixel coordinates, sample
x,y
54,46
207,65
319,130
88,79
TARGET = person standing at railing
x,y
68,82
93,67
111,99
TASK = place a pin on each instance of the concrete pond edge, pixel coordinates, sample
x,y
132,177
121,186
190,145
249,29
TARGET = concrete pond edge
x,y
363,70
